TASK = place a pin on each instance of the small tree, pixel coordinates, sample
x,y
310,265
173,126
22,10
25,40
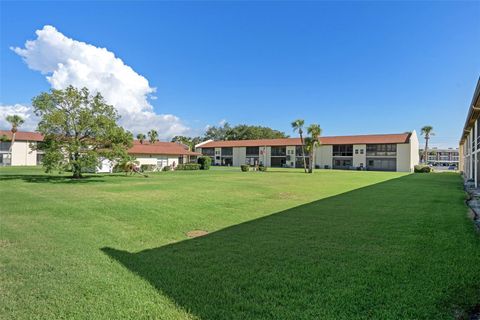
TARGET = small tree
x,y
79,129
311,144
15,121
426,131
141,137
152,136
204,162
297,125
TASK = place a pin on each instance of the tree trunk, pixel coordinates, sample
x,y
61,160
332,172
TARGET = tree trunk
x,y
76,168
10,150
303,153
310,165
425,156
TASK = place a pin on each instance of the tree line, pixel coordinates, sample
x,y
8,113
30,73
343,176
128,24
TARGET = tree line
x,y
221,132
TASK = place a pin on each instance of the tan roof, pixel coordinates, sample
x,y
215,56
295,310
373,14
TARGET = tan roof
x,y
167,148
359,139
22,135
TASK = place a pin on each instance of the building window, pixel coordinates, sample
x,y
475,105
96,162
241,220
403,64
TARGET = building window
x,y
208,151
356,151
252,151
39,158
345,150
227,151
342,164
381,150
361,151
299,151
5,145
279,151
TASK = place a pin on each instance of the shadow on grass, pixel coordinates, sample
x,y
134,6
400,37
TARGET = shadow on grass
x,y
374,252
44,178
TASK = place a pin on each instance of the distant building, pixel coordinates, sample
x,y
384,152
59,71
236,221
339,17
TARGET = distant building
x,y
379,152
470,140
441,157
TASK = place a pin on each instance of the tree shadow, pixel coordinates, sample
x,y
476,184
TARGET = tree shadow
x,y
362,254
44,178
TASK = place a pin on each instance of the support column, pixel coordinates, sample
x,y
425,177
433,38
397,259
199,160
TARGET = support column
x,y
470,173
474,150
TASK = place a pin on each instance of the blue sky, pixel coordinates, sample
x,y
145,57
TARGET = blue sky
x,y
352,67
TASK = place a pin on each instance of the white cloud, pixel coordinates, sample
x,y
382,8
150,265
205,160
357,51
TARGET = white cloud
x,y
26,112
66,62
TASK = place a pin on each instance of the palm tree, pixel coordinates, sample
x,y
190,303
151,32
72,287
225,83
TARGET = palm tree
x,y
426,131
153,136
141,137
297,125
16,121
314,131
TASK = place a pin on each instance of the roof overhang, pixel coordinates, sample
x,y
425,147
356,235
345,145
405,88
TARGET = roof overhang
x,y
473,113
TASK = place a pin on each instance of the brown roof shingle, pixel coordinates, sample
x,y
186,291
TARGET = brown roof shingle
x,y
167,148
358,139
23,135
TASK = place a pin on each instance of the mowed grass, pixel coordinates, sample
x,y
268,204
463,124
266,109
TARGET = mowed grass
x,y
282,245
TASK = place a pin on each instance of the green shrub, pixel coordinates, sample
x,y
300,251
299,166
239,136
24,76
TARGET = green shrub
x,y
421,168
148,167
204,162
262,168
188,166
167,168
245,167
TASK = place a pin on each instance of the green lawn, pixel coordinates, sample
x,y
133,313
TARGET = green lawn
x,y
282,245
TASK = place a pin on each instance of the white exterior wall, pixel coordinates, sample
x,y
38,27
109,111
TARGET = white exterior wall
x,y
106,166
324,156
414,147
22,155
407,154
152,159
218,153
265,153
291,152
403,157
239,156
360,158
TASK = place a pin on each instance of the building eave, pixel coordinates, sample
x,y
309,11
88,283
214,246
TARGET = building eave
x,y
473,113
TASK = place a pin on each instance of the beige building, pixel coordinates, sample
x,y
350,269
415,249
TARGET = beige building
x,y
160,154
381,152
22,153
470,140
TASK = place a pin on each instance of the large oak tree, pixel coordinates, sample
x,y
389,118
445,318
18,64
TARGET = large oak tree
x,y
79,130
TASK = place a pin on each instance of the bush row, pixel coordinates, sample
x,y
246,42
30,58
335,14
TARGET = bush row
x,y
246,167
421,168
188,166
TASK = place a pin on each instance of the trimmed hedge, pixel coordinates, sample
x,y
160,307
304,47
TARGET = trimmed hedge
x,y
188,166
204,162
245,167
262,168
167,168
421,168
